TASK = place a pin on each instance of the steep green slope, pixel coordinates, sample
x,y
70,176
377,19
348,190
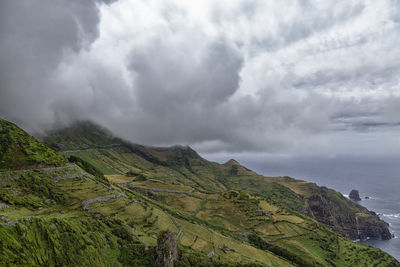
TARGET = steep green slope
x,y
320,203
77,222
182,165
65,217
264,212
80,135
20,150
290,234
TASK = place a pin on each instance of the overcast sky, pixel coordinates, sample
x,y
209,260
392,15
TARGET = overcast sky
x,y
239,77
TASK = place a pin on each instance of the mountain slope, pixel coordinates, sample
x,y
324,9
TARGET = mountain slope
x,y
343,215
236,205
80,135
182,165
64,216
20,150
71,216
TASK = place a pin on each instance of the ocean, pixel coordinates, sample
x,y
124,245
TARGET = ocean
x,y
375,177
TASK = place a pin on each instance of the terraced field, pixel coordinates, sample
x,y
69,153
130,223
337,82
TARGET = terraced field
x,y
235,215
109,205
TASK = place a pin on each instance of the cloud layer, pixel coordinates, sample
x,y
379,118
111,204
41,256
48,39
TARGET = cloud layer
x,y
266,76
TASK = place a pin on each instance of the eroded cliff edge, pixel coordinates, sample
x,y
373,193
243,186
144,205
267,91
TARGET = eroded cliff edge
x,y
343,215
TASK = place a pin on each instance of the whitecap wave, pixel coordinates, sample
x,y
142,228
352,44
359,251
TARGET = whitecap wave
x,y
362,198
394,215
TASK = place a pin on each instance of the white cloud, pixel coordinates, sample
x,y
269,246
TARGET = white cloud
x,y
219,75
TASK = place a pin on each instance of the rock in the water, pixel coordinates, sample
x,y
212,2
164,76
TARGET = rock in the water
x,y
367,197
354,195
167,252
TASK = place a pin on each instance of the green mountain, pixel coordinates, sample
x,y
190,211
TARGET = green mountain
x,y
19,150
115,156
113,203
80,135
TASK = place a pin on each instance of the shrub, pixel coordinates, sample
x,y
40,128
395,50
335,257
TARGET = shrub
x,y
89,168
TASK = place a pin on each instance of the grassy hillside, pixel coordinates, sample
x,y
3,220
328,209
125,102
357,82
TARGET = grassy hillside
x,y
108,206
333,209
20,150
240,215
80,135
182,165
64,216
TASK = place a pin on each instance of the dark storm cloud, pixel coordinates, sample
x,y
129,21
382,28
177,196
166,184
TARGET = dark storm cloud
x,y
207,82
35,36
220,76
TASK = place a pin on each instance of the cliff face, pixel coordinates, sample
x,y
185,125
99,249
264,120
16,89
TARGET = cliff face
x,y
345,216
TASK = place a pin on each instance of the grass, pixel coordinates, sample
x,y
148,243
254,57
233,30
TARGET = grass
x,y
20,150
269,230
80,135
183,202
118,178
234,213
95,158
244,218
203,239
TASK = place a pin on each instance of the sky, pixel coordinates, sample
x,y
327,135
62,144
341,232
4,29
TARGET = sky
x,y
239,77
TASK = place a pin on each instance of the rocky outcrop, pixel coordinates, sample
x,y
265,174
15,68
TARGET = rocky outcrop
x,y
372,228
345,216
3,206
354,195
86,204
167,252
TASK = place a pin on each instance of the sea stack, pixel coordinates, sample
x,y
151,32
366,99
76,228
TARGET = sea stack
x,y
354,195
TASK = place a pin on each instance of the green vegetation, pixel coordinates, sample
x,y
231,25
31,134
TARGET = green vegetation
x,y
20,150
283,252
89,168
80,135
50,232
71,242
109,205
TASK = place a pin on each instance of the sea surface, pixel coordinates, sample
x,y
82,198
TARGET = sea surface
x,y
375,177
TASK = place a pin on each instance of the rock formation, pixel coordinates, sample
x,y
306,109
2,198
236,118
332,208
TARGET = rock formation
x,y
167,252
354,195
346,217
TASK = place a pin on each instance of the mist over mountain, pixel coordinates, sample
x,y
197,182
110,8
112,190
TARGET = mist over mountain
x,y
130,129
229,76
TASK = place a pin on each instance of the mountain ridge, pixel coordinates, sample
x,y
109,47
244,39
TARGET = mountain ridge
x,y
323,204
107,207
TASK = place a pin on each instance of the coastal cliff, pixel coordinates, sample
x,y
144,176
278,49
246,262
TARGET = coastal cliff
x,y
109,204
345,216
